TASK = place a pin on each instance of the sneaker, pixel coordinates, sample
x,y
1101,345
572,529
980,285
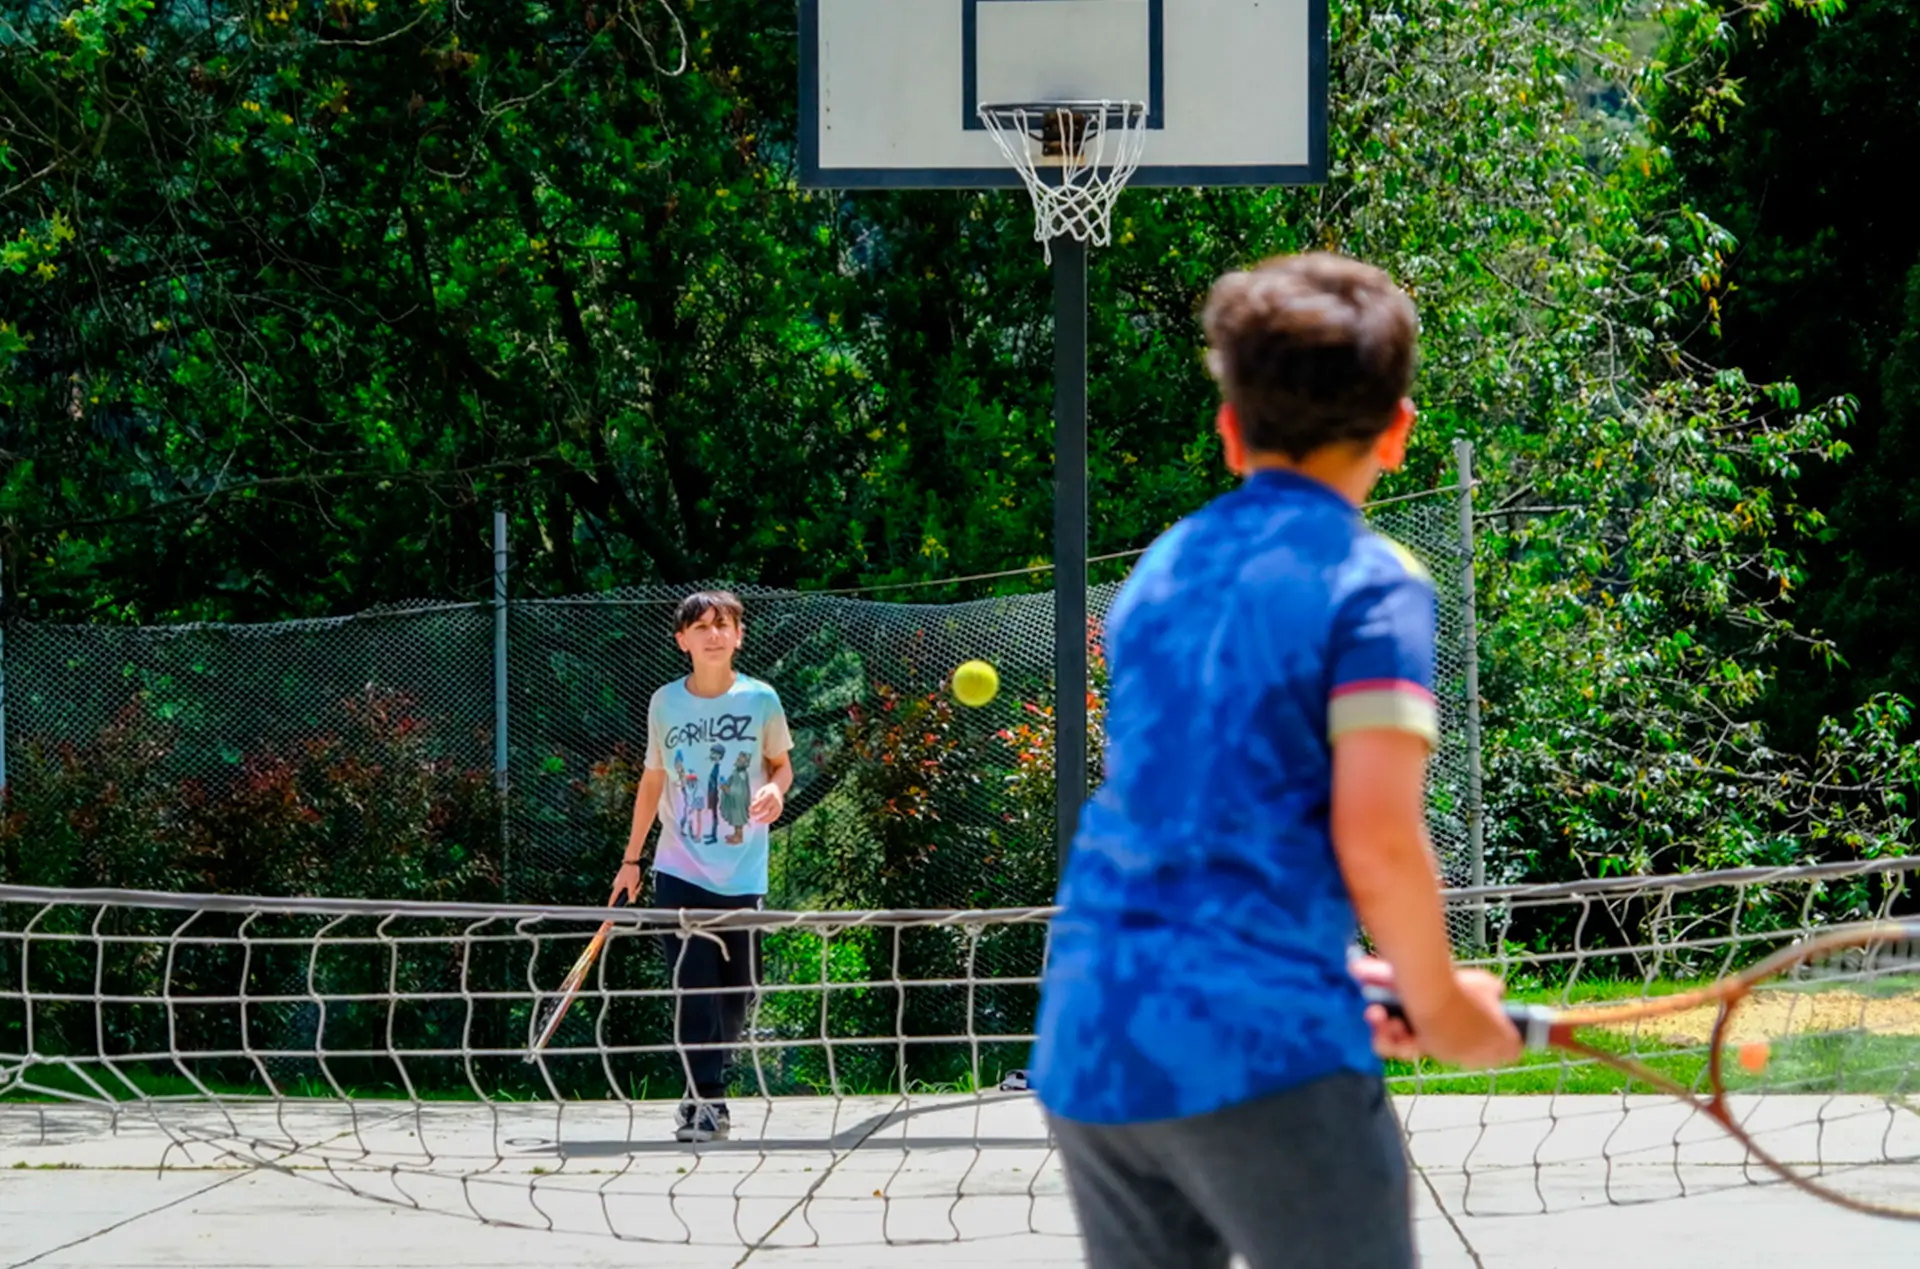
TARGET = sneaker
x,y
702,1121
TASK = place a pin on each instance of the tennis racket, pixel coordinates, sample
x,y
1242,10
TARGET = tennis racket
x,y
548,1020
1812,1060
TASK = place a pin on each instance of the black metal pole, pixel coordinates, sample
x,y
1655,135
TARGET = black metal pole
x,y
500,765
1069,536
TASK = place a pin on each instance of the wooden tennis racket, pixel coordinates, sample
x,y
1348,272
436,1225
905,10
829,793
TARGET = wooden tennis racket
x,y
1812,1060
548,1020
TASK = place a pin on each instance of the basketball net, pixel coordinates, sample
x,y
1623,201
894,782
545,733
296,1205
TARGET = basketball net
x,y
1074,157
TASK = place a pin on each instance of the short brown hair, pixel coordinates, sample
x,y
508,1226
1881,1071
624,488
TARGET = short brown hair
x,y
1310,350
695,607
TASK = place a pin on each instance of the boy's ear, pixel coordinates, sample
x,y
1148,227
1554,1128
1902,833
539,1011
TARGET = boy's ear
x,y
1233,445
1390,447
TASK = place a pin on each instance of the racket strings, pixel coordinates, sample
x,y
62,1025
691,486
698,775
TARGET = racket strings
x,y
1821,1066
1624,1118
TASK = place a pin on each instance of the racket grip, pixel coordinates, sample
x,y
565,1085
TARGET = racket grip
x,y
1533,1022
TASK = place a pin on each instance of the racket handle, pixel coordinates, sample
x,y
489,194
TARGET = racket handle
x,y
1533,1022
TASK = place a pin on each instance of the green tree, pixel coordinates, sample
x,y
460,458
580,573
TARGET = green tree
x,y
1828,106
297,292
294,295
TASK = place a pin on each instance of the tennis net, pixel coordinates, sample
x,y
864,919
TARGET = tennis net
x,y
382,1048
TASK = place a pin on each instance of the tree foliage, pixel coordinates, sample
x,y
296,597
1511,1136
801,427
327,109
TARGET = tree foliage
x,y
295,294
1819,291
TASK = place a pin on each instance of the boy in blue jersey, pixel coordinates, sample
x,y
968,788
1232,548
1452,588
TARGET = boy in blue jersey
x,y
740,724
1208,1064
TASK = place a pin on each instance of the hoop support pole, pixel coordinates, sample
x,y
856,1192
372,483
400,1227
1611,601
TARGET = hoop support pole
x,y
1069,537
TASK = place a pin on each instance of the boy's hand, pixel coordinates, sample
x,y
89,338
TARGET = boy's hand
x,y
767,804
1472,1029
1392,1037
626,884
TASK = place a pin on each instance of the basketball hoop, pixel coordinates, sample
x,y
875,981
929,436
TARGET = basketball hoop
x,y
1090,148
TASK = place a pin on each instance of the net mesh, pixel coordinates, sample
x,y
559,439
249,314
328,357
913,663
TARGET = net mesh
x,y
1074,158
378,1048
354,757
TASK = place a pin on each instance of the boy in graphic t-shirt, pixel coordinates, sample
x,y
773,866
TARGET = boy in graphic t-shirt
x,y
738,724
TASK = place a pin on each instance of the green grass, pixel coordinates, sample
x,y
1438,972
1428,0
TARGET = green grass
x,y
127,1082
1888,1065
1594,991
1875,1064
1848,1063
1539,1073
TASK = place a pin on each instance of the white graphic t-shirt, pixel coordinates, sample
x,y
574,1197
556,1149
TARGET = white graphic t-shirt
x,y
714,751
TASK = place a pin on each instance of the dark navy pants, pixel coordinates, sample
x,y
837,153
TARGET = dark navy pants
x,y
715,976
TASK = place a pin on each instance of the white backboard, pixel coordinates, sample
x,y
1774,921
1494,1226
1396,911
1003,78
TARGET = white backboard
x,y
1236,90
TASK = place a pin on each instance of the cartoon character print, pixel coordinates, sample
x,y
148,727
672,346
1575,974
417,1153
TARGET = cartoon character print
x,y
684,782
736,799
718,755
712,801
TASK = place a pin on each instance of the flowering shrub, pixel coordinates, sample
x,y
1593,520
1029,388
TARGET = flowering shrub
x,y
368,806
1031,785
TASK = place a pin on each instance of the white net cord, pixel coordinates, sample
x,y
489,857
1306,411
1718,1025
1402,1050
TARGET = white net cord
x,y
1074,157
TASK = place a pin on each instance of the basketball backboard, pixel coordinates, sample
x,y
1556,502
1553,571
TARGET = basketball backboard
x,y
890,90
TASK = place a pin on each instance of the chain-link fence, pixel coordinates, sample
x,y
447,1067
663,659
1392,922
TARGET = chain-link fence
x,y
357,756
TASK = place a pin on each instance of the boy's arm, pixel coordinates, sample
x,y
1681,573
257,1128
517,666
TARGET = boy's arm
x,y
771,798
1380,840
646,806
1382,725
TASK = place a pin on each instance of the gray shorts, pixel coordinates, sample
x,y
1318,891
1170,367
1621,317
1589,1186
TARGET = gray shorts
x,y
1311,1178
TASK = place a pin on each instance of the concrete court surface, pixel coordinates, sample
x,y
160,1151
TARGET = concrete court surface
x,y
1546,1183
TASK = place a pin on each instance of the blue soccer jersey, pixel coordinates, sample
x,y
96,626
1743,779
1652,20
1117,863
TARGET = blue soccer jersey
x,y
1200,958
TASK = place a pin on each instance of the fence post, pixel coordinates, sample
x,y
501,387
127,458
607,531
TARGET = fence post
x,y
3,681
500,686
1470,649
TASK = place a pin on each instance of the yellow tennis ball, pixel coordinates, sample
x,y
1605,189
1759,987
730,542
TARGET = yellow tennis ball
x,y
975,683
1754,1055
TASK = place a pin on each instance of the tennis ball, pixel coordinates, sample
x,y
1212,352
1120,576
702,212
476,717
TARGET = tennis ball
x,y
975,683
1753,1056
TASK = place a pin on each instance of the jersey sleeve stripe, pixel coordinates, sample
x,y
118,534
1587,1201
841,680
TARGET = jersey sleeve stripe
x,y
1408,560
1361,686
1399,707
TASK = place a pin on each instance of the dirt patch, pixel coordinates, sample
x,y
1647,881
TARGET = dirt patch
x,y
1773,1015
